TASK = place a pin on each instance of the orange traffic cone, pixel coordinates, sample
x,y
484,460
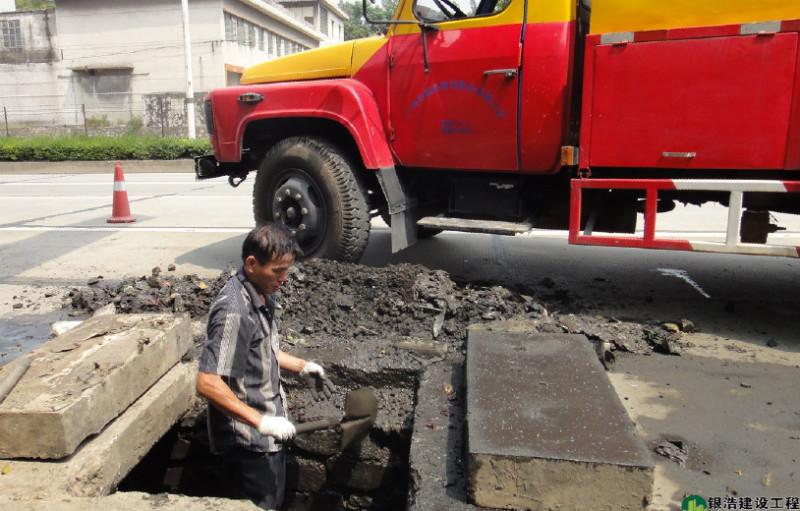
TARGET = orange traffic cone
x,y
121,211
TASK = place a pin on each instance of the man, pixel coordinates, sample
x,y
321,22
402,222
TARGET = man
x,y
240,369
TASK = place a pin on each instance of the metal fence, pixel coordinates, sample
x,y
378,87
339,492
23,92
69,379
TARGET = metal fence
x,y
103,113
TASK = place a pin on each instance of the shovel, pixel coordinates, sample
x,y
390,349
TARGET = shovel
x,y
360,410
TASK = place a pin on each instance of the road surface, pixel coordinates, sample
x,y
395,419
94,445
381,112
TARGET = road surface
x,y
731,396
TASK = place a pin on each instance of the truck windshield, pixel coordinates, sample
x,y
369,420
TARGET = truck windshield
x,y
443,10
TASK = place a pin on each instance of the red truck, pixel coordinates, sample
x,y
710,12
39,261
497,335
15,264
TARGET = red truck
x,y
503,116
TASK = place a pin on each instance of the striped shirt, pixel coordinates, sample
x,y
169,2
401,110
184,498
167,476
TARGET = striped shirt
x,y
242,347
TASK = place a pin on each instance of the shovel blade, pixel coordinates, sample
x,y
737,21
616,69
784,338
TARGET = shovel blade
x,y
360,403
355,430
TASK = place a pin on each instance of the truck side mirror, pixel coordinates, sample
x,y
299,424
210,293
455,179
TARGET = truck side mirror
x,y
424,28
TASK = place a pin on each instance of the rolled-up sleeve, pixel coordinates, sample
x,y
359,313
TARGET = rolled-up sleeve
x,y
222,353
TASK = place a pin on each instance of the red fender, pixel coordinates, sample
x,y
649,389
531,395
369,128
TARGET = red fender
x,y
345,101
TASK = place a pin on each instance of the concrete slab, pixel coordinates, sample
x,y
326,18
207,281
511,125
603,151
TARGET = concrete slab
x,y
132,501
436,457
101,463
80,381
546,429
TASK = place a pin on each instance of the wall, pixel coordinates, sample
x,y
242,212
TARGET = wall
x,y
107,66
36,33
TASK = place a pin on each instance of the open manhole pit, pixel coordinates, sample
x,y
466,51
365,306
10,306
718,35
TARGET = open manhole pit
x,y
371,474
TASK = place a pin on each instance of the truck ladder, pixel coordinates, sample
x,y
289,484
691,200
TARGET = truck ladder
x,y
735,189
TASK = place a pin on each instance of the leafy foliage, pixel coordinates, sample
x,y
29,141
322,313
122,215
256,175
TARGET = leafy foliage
x,y
100,148
357,27
35,5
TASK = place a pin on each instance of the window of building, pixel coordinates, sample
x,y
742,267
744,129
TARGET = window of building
x,y
251,34
12,33
230,27
323,19
232,78
241,31
444,10
262,36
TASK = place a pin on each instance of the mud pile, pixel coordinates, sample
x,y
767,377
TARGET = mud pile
x,y
326,300
157,292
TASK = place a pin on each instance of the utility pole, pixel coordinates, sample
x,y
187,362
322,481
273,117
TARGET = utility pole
x,y
187,53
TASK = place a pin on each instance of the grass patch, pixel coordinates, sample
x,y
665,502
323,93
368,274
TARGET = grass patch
x,y
100,148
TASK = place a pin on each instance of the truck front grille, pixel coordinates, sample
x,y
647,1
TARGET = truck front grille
x,y
209,116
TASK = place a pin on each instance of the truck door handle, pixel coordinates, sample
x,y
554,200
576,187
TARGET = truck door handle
x,y
508,73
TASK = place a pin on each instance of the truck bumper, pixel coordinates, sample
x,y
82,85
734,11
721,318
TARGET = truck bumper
x,y
207,167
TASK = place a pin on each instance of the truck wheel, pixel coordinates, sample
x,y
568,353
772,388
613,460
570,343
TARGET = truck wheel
x,y
308,185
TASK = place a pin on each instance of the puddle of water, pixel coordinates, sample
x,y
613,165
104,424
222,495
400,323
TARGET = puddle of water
x,y
21,334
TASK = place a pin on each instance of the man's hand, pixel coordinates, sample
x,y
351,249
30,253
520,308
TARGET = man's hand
x,y
278,427
314,375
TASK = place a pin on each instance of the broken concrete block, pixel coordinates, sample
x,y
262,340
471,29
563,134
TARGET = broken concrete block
x,y
344,471
546,429
436,481
83,379
305,475
100,464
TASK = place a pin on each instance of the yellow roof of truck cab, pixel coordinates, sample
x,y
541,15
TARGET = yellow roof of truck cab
x,y
636,15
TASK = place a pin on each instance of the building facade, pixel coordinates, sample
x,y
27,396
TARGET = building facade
x,y
89,64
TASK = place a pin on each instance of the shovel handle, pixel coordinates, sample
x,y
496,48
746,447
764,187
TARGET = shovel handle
x,y
307,427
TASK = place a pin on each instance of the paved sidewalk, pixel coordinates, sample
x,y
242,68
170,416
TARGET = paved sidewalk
x,y
96,167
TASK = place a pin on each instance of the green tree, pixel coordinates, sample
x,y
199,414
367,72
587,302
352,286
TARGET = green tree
x,y
35,5
357,27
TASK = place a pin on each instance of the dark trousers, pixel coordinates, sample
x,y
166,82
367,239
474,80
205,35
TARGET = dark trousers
x,y
257,476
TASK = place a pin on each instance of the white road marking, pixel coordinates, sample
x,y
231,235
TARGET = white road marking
x,y
130,228
108,195
683,275
104,183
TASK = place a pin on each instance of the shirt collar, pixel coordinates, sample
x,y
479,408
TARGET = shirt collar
x,y
255,298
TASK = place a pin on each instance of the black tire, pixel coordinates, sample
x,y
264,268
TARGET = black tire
x,y
308,185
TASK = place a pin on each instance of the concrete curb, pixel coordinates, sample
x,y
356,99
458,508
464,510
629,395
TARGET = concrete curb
x,y
96,167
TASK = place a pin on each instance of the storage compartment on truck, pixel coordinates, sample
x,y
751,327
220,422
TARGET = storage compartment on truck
x,y
697,103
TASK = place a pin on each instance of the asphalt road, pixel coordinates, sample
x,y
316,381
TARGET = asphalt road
x,y
53,233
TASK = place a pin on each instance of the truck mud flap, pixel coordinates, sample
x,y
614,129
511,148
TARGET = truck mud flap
x,y
401,209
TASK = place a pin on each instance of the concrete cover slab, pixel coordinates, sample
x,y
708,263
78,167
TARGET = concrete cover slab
x,y
436,456
101,463
546,429
133,501
80,381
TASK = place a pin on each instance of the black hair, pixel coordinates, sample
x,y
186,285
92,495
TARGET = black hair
x,y
269,242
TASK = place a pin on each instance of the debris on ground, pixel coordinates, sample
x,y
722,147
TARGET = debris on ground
x,y
626,336
674,450
325,300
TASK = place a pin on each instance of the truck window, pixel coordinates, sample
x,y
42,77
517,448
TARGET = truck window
x,y
443,10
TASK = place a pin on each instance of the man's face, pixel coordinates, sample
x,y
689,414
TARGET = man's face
x,y
268,277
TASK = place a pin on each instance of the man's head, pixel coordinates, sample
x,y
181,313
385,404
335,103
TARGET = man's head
x,y
268,252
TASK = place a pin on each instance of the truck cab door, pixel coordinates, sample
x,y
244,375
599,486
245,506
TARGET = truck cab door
x,y
461,111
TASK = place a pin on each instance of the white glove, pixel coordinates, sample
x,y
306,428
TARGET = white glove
x,y
278,427
314,376
311,371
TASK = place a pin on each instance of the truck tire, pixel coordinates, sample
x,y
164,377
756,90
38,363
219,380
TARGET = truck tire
x,y
308,185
